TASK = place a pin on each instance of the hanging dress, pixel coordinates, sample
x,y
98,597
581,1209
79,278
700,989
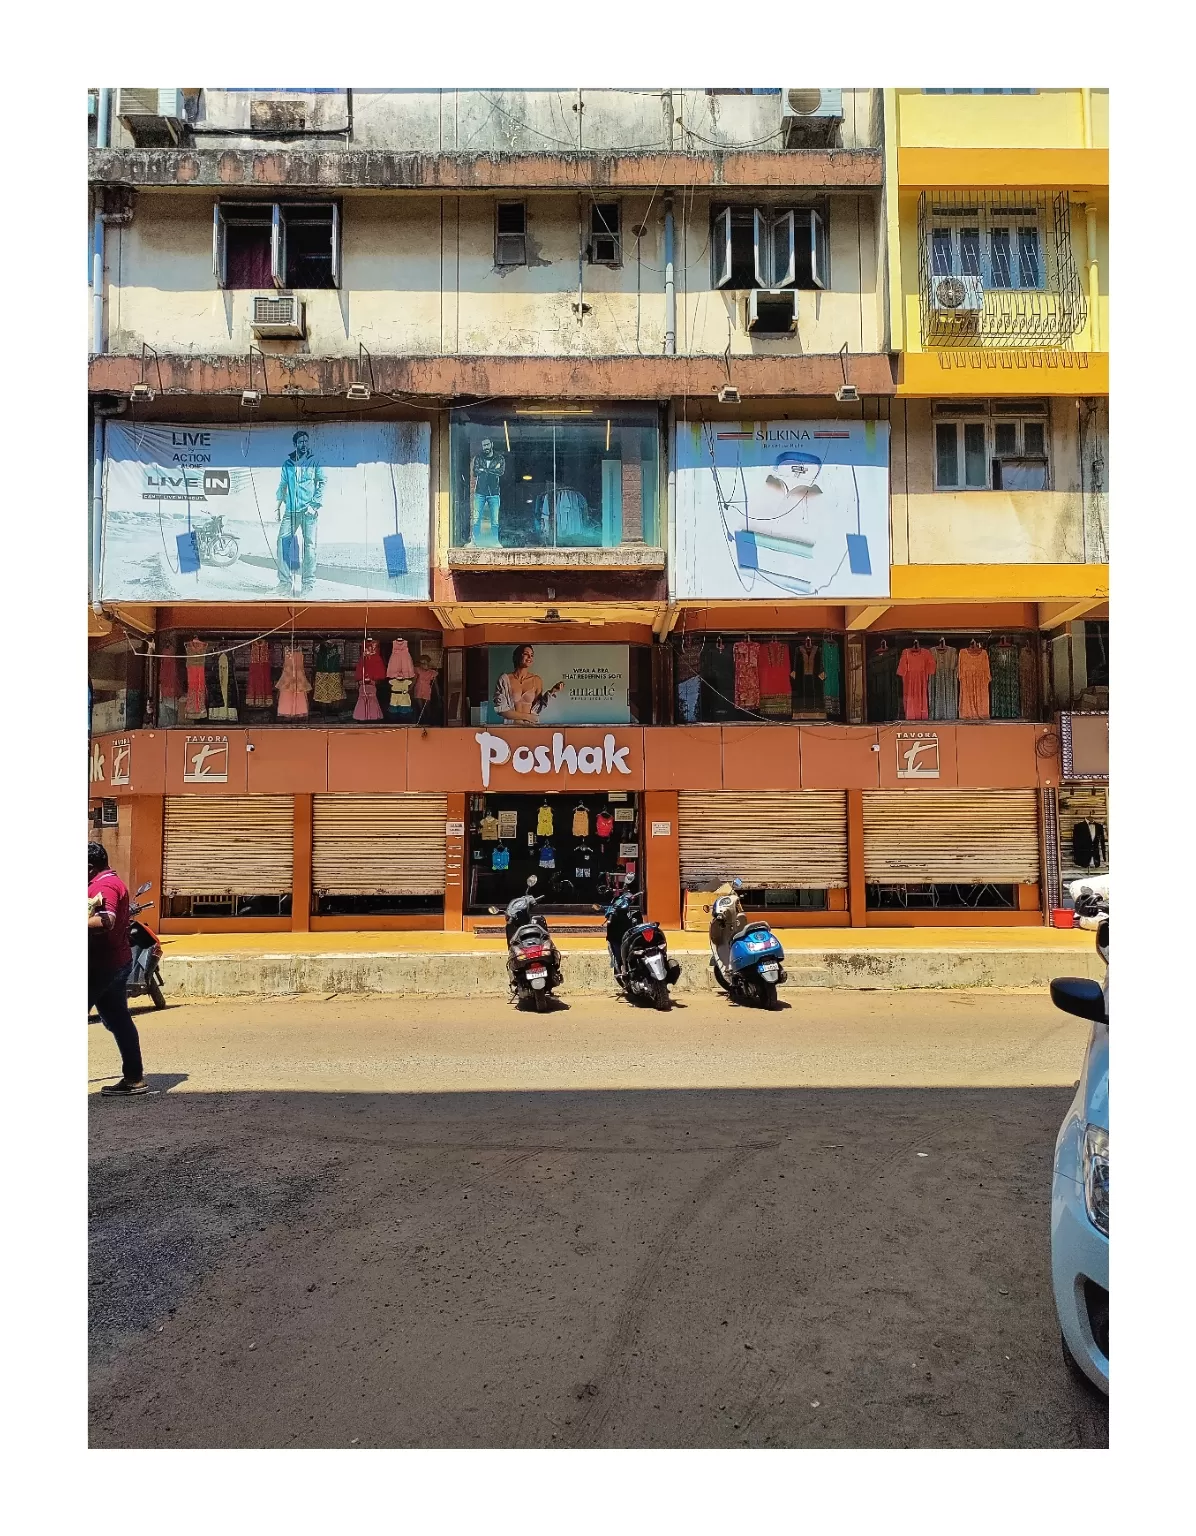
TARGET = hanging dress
x,y
776,685
368,672
329,689
544,821
401,672
1027,668
944,685
974,676
226,679
915,669
259,694
425,678
197,686
832,682
170,687
1006,688
882,685
293,686
747,674
806,680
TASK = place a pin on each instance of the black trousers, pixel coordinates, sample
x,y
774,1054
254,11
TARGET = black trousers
x,y
107,994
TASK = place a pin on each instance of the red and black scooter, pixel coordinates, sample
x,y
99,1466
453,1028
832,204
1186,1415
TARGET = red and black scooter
x,y
145,977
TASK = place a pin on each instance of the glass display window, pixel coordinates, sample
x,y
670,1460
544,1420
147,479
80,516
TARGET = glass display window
x,y
969,675
525,478
576,845
115,686
388,677
726,677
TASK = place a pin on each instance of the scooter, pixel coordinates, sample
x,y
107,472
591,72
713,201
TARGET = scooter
x,y
746,956
638,950
533,960
145,977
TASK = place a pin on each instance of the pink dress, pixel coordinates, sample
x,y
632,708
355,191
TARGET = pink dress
x,y
424,678
293,687
197,688
369,669
400,664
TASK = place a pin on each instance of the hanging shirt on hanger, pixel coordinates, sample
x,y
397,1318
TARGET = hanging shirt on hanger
x,y
776,684
583,862
718,675
747,674
489,829
260,692
581,822
915,669
547,856
604,824
944,685
1088,844
544,821
500,858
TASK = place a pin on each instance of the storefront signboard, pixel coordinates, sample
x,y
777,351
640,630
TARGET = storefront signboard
x,y
918,755
332,512
205,760
562,762
553,685
122,760
774,509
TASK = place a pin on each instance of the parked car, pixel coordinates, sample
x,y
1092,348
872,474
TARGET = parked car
x,y
1080,1190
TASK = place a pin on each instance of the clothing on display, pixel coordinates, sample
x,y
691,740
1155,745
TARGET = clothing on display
x,y
688,662
547,856
293,686
915,670
1089,844
1027,673
544,821
807,677
500,858
226,682
718,674
1005,695
581,822
689,694
425,678
604,824
260,692
170,686
944,683
400,706
489,829
197,686
883,684
774,671
367,706
832,677
370,668
974,676
747,674
400,663
583,862
328,689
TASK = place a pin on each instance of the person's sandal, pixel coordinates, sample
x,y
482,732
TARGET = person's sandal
x,y
125,1088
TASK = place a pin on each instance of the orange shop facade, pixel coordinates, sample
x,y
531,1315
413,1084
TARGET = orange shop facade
x,y
274,829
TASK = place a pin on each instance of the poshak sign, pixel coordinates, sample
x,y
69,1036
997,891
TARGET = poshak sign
x,y
567,760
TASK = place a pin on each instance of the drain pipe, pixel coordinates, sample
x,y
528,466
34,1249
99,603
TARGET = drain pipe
x,y
1093,279
97,511
97,244
670,289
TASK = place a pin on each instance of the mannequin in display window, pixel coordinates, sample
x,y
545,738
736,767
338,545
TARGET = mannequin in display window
x,y
487,468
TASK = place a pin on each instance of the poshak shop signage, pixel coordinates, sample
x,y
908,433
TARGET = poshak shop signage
x,y
562,760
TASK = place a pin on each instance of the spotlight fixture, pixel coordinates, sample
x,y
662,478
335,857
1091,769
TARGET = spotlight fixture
x,y
251,398
728,395
357,391
846,393
141,391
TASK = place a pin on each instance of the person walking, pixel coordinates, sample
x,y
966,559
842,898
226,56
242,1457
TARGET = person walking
x,y
109,962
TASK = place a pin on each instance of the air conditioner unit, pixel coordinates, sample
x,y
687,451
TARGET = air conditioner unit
x,y
278,314
771,311
956,295
152,114
810,116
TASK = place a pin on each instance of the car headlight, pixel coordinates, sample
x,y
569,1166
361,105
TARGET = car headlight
x,y
1096,1177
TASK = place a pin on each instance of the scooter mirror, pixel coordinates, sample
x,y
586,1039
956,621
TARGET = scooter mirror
x,y
493,911
737,884
531,880
141,889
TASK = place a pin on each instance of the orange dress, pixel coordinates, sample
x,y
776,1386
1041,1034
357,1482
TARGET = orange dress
x,y
974,677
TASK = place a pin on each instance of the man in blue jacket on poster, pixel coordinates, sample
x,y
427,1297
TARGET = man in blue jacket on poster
x,y
300,492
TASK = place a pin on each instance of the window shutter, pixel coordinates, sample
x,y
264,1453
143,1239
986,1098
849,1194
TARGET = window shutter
x,y
817,248
772,838
784,253
336,245
760,249
378,845
227,845
720,250
278,251
219,247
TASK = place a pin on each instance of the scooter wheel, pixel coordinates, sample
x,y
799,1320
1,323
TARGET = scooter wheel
x,y
719,977
154,987
764,994
660,996
540,1001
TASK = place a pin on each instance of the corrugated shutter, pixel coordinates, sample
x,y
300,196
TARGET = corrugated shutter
x,y
227,845
1080,802
774,839
378,845
980,836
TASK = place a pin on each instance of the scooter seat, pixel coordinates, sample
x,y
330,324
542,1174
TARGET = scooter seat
x,y
756,927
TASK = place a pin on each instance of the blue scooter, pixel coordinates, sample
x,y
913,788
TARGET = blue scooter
x,y
746,956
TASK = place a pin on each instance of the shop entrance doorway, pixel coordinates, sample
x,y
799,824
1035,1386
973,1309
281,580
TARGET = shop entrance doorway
x,y
575,845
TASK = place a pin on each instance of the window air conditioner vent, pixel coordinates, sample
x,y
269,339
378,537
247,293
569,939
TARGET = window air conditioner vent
x,y
278,314
771,311
152,114
957,295
810,117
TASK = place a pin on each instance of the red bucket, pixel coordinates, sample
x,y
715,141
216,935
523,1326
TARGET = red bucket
x,y
1063,917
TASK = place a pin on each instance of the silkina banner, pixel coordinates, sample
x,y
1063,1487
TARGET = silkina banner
x,y
332,512
782,509
546,685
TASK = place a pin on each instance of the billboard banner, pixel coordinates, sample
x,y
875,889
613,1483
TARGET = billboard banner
x,y
551,685
332,512
776,509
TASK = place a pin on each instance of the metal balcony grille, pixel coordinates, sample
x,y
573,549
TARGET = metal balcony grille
x,y
1011,255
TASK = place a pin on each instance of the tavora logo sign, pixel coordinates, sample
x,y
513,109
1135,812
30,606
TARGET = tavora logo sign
x,y
205,760
608,758
917,755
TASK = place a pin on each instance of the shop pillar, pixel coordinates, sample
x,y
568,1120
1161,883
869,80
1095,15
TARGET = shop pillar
x,y
662,857
147,814
454,862
857,896
301,864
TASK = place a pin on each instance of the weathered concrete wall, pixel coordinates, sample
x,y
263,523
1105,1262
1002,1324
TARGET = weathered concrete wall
x,y
420,279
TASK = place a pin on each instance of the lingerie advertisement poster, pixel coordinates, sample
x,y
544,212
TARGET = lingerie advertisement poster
x,y
780,509
547,685
326,512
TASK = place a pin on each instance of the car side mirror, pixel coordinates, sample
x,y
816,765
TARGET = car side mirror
x,y
1083,998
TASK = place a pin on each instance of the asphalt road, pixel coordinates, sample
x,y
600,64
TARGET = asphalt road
x,y
364,1222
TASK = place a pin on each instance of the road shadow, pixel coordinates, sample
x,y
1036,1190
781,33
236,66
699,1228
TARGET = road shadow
x,y
722,1268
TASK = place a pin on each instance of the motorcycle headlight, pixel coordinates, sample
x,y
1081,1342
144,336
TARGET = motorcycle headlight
x,y
1096,1177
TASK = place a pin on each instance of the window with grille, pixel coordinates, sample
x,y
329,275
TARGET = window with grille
x,y
1001,247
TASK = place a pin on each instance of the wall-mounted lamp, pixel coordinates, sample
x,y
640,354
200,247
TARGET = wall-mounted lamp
x,y
728,395
141,391
357,391
251,398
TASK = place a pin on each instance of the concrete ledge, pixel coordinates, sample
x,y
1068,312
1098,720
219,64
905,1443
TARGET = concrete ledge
x,y
242,973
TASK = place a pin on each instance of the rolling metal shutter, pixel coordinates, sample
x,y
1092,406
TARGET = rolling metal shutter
x,y
1080,802
378,845
965,837
227,845
772,839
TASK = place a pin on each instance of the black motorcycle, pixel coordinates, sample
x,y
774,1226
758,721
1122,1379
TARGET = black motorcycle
x,y
638,950
533,960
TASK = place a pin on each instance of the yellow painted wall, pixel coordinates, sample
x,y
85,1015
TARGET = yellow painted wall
x,y
419,277
1052,119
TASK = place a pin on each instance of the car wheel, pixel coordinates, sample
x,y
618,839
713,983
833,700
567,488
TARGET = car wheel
x,y
1076,1370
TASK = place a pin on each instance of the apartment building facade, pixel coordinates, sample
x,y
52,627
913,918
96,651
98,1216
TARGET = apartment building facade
x,y
572,483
